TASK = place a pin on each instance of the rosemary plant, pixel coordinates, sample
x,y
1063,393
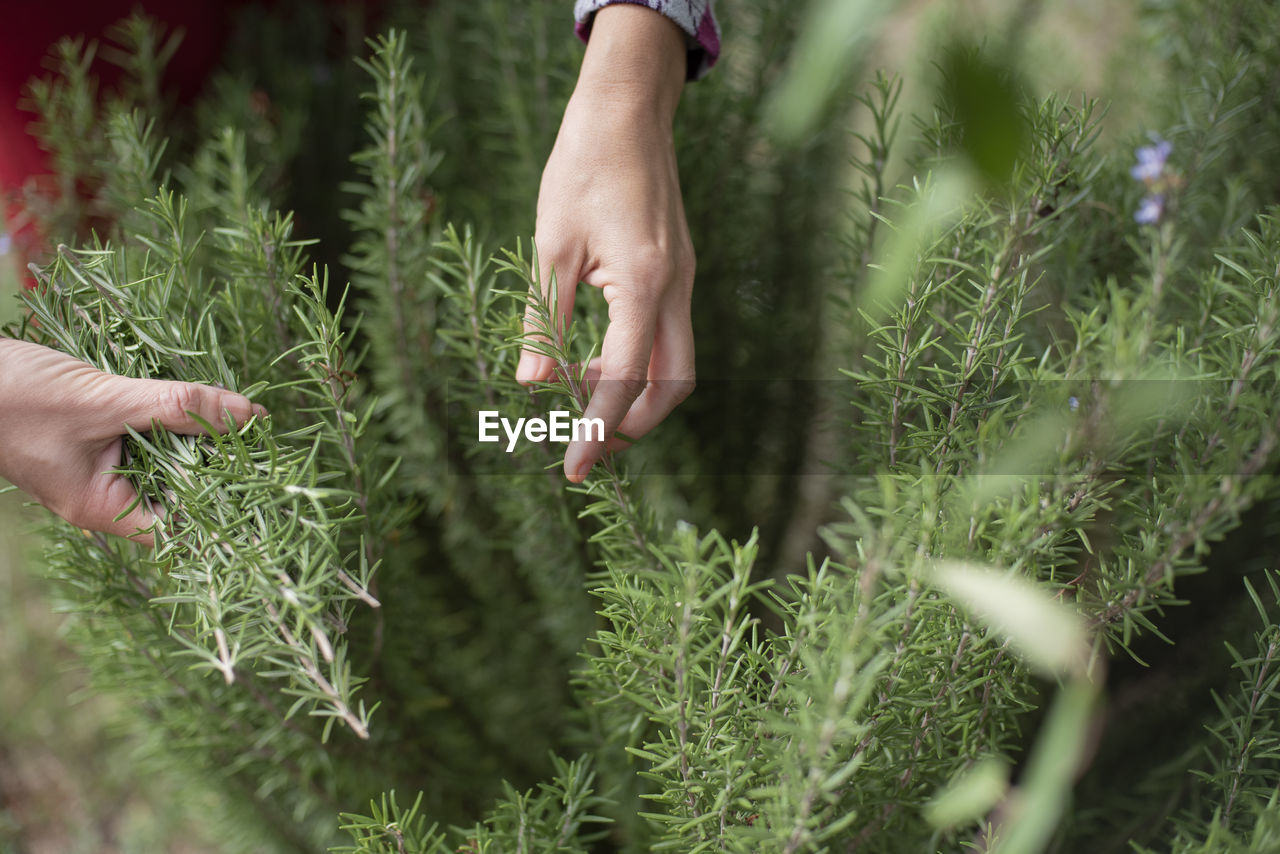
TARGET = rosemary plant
x,y
1051,417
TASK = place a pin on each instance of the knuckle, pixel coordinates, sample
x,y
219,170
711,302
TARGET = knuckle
x,y
640,307
653,263
550,242
551,269
632,309
632,385
550,250
548,229
629,377
687,268
175,400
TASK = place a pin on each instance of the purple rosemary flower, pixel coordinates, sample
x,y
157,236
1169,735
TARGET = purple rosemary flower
x,y
1150,210
1151,160
1157,176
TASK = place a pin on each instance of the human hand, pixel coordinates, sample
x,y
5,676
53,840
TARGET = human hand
x,y
610,215
62,424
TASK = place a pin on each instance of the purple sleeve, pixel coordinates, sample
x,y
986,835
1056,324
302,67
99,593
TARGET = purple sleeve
x,y
695,17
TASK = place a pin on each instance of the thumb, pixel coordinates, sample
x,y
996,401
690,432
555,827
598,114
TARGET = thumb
x,y
178,406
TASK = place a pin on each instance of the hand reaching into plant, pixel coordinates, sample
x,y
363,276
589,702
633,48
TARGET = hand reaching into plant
x,y
61,428
610,215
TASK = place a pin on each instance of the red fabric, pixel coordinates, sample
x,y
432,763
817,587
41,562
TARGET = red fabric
x,y
31,28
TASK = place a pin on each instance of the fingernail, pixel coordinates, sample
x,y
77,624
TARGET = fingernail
x,y
259,410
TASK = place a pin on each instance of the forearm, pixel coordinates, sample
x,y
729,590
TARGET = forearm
x,y
634,68
695,19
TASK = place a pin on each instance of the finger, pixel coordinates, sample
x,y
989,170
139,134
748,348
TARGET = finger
x,y
624,369
179,407
110,495
561,271
671,380
591,376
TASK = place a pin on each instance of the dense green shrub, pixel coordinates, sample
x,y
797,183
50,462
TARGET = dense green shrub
x,y
882,581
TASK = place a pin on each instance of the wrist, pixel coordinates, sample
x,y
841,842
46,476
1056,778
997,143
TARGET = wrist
x,y
635,65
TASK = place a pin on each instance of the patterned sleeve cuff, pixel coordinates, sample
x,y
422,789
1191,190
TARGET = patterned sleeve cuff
x,y
695,17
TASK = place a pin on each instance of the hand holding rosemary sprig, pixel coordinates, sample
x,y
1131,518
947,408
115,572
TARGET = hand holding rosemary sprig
x,y
62,426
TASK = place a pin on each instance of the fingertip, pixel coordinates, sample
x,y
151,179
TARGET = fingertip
x,y
533,368
524,369
237,406
578,461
